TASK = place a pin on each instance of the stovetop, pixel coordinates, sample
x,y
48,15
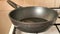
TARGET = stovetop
x,y
55,29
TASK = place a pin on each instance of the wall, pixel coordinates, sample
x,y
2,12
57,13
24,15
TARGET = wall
x,y
5,8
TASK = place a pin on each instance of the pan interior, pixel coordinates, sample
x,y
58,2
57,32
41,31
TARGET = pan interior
x,y
33,14
33,20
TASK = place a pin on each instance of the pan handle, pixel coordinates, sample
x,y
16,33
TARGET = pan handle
x,y
14,5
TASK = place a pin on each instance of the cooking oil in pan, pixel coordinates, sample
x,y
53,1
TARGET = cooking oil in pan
x,y
33,20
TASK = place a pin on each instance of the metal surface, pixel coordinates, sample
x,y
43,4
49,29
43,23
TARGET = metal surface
x,y
32,12
52,30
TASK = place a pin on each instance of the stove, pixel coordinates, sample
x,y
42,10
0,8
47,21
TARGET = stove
x,y
55,29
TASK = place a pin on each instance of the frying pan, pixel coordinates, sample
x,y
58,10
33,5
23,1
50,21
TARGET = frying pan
x,y
32,19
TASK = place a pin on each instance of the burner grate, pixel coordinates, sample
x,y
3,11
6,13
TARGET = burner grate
x,y
14,32
57,27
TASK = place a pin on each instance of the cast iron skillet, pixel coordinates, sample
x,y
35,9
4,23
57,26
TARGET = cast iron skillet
x,y
32,19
